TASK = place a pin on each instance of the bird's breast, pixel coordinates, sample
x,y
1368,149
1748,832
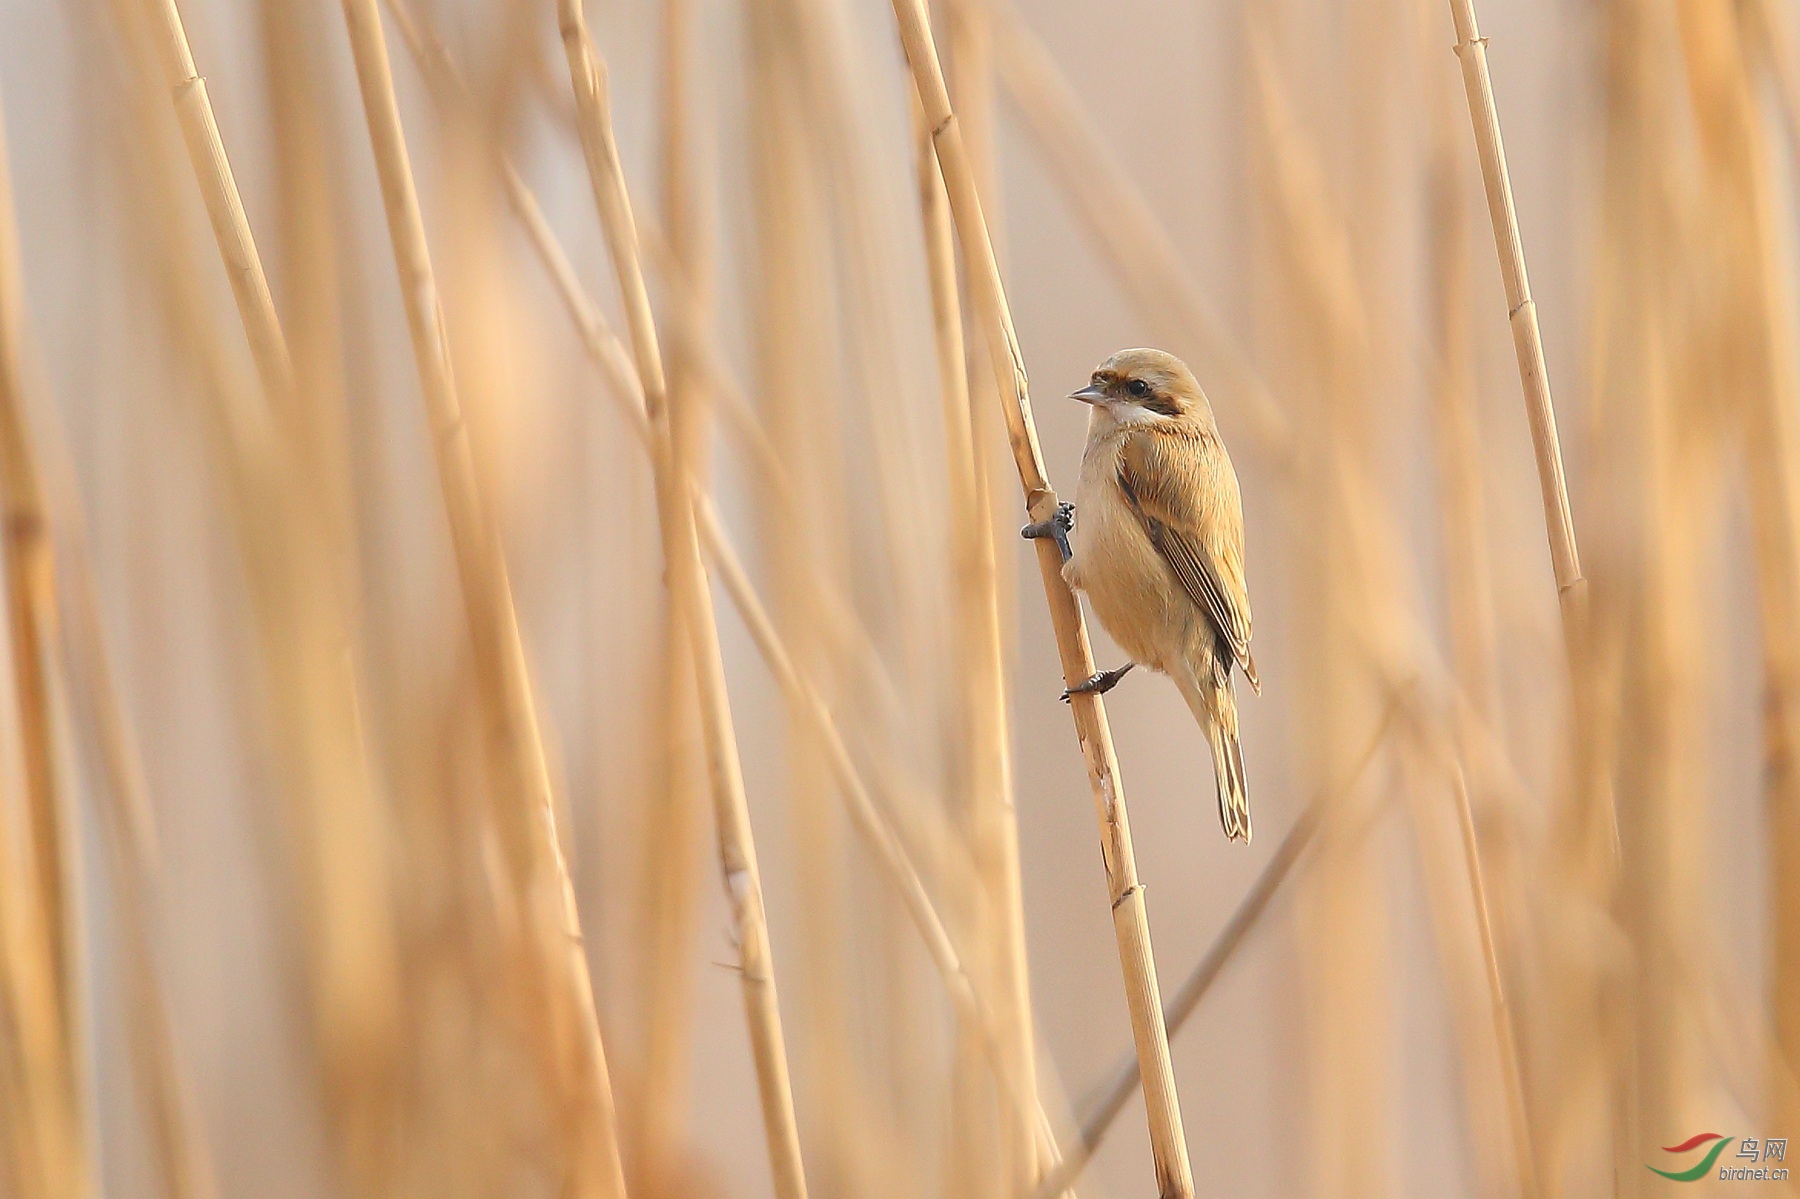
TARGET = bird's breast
x,y
1132,590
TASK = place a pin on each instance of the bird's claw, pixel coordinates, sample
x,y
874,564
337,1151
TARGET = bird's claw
x,y
1056,528
1098,683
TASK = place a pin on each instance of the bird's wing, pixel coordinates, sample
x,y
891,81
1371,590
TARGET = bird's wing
x,y
1183,489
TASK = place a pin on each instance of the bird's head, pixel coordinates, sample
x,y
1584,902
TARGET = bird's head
x,y
1138,387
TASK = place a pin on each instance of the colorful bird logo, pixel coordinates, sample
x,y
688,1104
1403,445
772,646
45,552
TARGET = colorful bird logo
x,y
1705,1164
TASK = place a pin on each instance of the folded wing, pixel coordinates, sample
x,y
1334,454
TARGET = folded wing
x,y
1181,486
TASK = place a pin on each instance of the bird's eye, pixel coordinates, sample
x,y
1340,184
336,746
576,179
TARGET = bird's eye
x,y
1138,388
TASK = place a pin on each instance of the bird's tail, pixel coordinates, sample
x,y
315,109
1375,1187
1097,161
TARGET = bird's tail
x,y
1215,709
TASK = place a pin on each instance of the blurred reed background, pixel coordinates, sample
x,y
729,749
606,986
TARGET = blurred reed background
x,y
521,678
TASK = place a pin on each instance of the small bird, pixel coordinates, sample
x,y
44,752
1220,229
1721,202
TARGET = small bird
x,y
1159,548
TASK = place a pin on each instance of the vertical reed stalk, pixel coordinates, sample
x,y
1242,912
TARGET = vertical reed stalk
x,y
605,351
41,1009
176,1145
973,1168
796,329
1469,585
994,825
672,832
302,629
737,848
1131,924
1521,314
1760,360
528,815
1121,1079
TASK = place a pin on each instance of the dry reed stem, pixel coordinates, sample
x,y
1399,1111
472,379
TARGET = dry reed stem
x,y
610,356
1114,1092
1521,314
737,850
1168,1144
1733,134
1325,253
606,352
673,834
796,328
1346,580
175,1142
176,1139
41,1008
30,585
307,168
994,827
1518,1118
302,631
866,814
1466,570
225,208
527,819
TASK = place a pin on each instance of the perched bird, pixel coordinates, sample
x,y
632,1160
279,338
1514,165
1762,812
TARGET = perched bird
x,y
1159,548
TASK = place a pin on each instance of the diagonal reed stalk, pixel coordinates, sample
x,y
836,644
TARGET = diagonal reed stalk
x,y
1115,1091
688,584
302,630
527,816
1521,314
1131,925
870,819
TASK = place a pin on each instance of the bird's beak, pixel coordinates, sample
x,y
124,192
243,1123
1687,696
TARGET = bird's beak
x,y
1091,394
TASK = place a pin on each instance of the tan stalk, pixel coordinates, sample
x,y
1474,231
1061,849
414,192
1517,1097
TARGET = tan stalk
x,y
674,833
731,815
42,1010
802,526
1113,1094
1521,314
1471,615
981,655
308,173
1168,1144
614,361
528,816
608,354
302,631
124,807
1735,135
1347,584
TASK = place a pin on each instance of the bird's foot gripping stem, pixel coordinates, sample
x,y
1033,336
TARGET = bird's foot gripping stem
x,y
1056,528
1098,684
